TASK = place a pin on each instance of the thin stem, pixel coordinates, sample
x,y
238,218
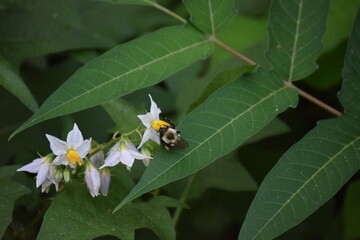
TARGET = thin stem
x,y
167,11
183,199
313,99
232,51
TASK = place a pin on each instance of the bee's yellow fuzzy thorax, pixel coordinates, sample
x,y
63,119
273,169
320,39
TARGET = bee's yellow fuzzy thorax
x,y
157,124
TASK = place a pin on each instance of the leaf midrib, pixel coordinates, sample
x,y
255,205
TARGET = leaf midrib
x,y
295,40
120,76
305,184
211,18
230,122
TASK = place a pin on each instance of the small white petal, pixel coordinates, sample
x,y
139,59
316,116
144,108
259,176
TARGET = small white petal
x,y
61,160
111,160
155,136
105,179
45,187
74,138
154,110
32,167
57,146
92,178
42,174
84,148
146,119
114,148
145,137
126,158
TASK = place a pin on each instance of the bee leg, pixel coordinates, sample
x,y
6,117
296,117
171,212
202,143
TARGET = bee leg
x,y
167,148
169,121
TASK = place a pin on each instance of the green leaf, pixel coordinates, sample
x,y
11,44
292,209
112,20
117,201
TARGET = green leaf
x,y
137,64
140,2
220,80
352,212
310,173
12,82
83,217
296,28
315,168
350,91
10,191
225,120
123,114
210,15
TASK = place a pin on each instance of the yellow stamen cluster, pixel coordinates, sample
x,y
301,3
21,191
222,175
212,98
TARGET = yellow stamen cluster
x,y
74,158
157,124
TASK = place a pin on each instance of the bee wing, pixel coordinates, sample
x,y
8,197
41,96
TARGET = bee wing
x,y
181,143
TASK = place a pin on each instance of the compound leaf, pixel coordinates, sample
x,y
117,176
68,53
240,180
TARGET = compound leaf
x,y
296,28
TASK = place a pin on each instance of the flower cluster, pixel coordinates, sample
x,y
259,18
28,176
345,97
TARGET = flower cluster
x,y
77,153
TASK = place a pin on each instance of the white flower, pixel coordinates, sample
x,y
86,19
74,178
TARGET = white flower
x,y
124,152
105,176
72,151
105,179
149,120
41,166
92,178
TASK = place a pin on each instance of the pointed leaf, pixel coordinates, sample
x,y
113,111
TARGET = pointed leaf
x,y
137,64
296,28
224,121
315,168
350,92
10,191
310,173
12,82
84,217
210,15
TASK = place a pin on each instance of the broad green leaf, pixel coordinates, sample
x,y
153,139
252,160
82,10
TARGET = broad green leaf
x,y
351,212
10,191
140,2
350,91
137,64
220,80
123,114
296,28
74,214
13,83
310,173
225,120
315,168
210,15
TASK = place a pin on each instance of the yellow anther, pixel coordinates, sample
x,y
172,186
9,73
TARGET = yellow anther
x,y
74,158
157,124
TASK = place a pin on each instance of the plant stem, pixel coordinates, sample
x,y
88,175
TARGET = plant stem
x,y
231,50
313,99
183,198
167,11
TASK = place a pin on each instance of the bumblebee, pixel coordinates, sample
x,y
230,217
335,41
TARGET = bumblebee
x,y
169,136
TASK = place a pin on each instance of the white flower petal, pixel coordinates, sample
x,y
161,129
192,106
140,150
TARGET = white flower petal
x,y
105,179
84,148
155,136
57,146
42,174
114,148
74,138
61,160
45,187
146,119
154,110
111,160
136,154
146,137
126,158
32,167
92,178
